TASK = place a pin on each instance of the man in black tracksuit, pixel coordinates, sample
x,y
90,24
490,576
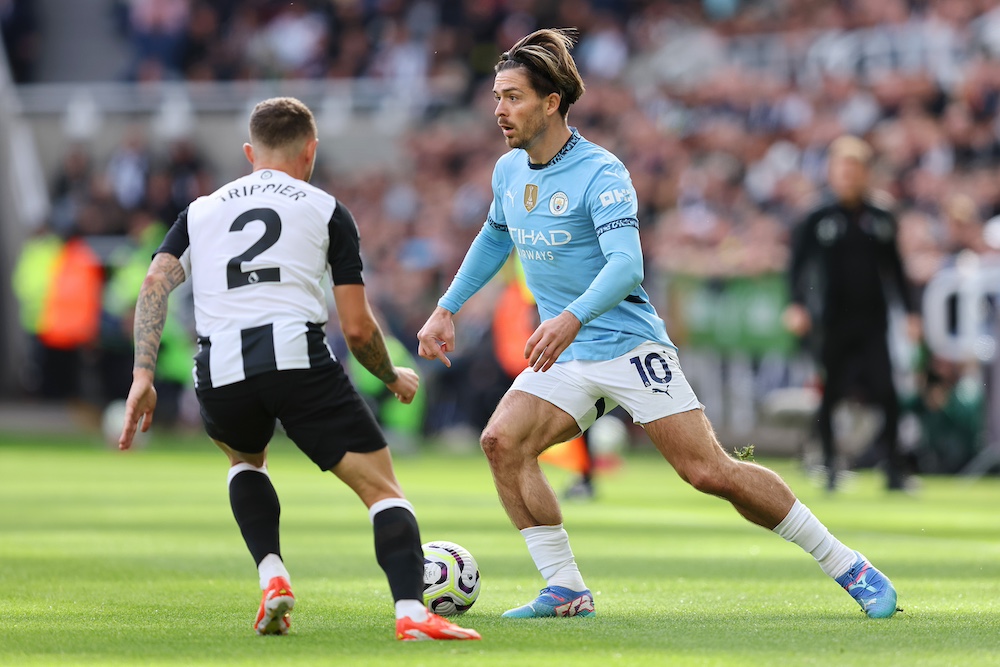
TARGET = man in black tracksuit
x,y
845,268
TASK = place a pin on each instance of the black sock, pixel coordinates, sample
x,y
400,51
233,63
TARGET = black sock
x,y
397,548
256,508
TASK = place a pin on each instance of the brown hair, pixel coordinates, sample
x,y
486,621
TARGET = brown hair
x,y
545,57
281,122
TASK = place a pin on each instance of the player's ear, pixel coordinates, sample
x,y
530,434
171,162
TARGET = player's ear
x,y
552,103
310,149
248,151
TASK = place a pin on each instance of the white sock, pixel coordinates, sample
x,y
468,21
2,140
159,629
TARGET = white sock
x,y
388,503
240,467
415,609
270,568
549,548
802,527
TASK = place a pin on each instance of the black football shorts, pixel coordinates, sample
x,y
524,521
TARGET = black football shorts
x,y
319,409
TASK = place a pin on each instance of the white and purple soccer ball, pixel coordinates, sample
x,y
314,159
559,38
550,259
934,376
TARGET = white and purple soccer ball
x,y
451,578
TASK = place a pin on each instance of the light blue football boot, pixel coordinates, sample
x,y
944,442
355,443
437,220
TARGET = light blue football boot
x,y
555,601
871,589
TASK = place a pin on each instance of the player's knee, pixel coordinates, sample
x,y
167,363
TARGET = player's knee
x,y
497,447
705,477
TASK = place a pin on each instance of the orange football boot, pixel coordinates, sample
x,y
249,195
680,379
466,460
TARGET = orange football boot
x,y
275,608
434,627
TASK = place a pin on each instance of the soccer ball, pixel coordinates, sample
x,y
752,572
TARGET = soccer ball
x,y
451,578
608,436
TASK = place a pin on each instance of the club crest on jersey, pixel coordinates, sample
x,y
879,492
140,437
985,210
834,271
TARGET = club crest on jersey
x,y
530,196
558,203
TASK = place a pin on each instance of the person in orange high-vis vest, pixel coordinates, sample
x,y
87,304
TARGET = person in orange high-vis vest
x,y
60,294
71,314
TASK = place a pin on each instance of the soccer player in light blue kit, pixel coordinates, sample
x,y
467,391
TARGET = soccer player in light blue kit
x,y
568,208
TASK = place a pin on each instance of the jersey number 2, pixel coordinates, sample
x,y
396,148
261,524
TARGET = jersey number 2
x,y
235,275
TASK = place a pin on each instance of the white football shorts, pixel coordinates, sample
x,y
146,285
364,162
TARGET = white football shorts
x,y
647,382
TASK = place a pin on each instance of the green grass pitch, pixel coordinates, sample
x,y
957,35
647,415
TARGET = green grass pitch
x,y
111,558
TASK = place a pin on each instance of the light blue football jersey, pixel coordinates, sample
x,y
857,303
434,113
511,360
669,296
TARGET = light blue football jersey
x,y
558,216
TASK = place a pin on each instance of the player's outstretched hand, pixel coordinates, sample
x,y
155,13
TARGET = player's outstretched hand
x,y
437,336
551,339
139,407
405,386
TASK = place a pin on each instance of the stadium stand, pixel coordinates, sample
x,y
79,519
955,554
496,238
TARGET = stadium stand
x,y
722,110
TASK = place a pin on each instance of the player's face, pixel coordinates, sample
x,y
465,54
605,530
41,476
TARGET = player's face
x,y
848,177
520,110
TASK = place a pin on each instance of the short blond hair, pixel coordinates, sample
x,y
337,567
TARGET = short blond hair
x,y
852,147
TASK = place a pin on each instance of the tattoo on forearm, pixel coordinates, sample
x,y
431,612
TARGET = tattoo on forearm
x,y
375,357
165,274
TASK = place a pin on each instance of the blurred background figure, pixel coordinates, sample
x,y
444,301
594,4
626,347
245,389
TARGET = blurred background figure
x,y
844,272
20,33
58,284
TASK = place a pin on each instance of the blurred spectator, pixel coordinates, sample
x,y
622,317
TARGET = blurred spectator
x,y
157,29
70,189
946,416
189,177
963,226
128,169
293,43
21,36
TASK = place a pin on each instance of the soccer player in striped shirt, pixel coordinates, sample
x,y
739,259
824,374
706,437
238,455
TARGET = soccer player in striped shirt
x,y
257,251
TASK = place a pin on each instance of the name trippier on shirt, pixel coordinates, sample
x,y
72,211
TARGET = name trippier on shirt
x,y
286,189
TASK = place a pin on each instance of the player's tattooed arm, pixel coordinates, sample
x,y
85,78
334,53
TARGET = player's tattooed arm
x,y
165,274
374,356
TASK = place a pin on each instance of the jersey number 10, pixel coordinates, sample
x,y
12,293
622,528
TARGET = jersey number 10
x,y
650,371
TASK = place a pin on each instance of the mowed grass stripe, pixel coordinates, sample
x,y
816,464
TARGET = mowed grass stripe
x,y
110,558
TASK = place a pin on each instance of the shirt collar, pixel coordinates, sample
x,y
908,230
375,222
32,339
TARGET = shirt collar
x,y
574,139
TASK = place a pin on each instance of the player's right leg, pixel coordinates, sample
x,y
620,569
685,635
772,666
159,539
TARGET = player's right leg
x,y
327,419
397,544
521,428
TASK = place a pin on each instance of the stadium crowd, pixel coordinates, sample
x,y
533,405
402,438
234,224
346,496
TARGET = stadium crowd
x,y
722,111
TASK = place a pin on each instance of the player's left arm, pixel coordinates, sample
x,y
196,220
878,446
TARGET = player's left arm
x,y
614,212
357,321
622,273
613,208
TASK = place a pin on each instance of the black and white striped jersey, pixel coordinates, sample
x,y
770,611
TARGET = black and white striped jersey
x,y
256,251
